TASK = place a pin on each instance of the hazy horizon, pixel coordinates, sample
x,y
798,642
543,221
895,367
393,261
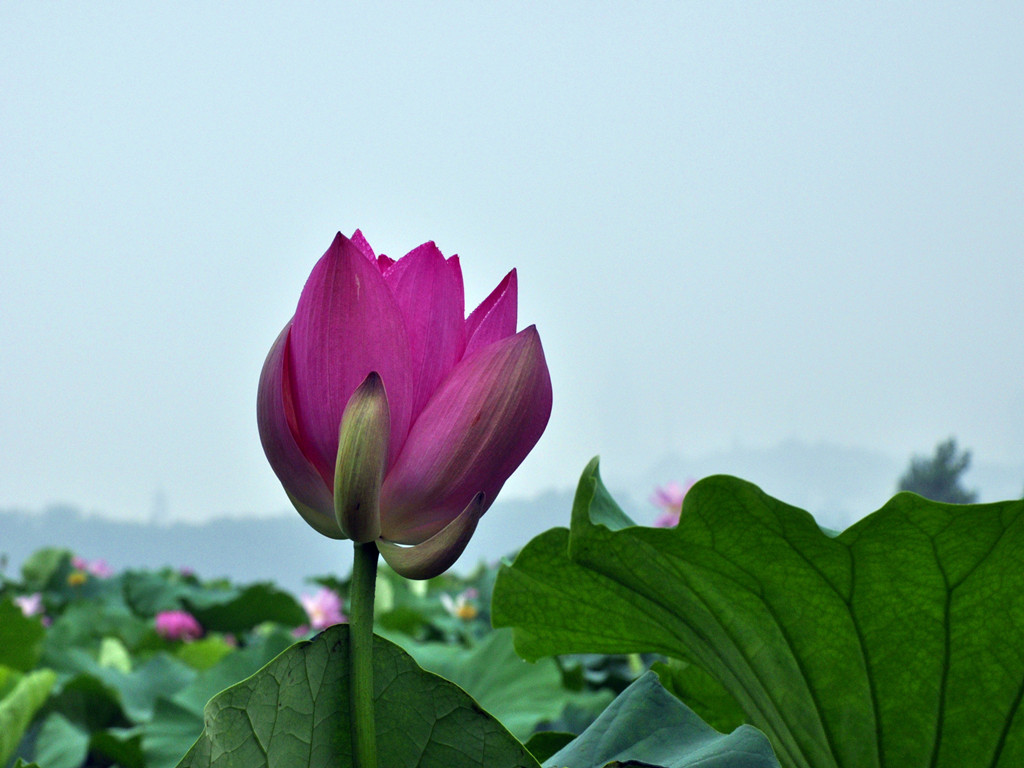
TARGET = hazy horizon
x,y
838,484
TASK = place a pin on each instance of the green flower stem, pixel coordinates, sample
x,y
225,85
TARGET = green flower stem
x,y
364,579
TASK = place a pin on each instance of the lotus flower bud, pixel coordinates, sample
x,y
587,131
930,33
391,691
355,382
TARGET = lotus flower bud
x,y
388,415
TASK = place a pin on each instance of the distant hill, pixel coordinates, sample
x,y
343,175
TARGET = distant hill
x,y
838,485
282,549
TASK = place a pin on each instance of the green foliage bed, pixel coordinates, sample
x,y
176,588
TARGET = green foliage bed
x,y
98,686
894,643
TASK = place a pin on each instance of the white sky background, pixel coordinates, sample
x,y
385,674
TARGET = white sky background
x,y
731,223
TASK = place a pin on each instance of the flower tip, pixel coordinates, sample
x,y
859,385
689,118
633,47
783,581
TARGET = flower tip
x,y
360,242
373,383
342,246
507,287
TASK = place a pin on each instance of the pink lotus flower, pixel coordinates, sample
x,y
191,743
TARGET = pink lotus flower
x,y
323,609
178,625
98,568
669,498
31,605
439,409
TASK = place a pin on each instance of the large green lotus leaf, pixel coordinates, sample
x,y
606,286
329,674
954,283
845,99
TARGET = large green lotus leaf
x,y
46,568
702,693
85,699
85,623
149,592
896,642
21,638
544,744
137,691
205,652
120,746
61,743
647,726
173,729
237,610
113,654
519,694
18,707
295,712
233,668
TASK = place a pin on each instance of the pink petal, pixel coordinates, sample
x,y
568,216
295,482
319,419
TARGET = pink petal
x,y
437,554
307,487
495,318
347,324
429,292
474,432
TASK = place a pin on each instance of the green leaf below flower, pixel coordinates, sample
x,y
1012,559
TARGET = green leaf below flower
x,y
294,712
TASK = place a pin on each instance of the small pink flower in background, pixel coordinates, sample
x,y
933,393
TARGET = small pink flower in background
x,y
461,607
98,568
178,625
31,605
323,609
669,499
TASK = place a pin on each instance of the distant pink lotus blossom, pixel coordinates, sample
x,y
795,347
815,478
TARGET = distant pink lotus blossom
x,y
98,568
323,609
31,605
178,625
669,499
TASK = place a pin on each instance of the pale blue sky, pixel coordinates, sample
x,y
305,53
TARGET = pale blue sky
x,y
732,224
